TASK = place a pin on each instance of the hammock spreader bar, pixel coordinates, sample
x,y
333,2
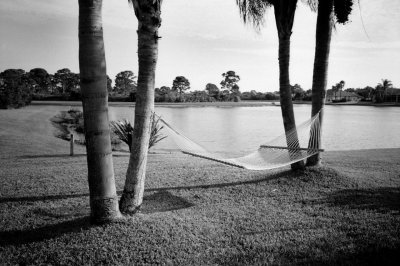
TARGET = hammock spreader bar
x,y
287,148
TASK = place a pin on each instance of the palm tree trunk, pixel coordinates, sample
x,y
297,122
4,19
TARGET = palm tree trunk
x,y
320,75
92,64
148,14
286,94
284,17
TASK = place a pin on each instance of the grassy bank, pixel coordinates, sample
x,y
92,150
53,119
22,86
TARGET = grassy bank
x,y
195,211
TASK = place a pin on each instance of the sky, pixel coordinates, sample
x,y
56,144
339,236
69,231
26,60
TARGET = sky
x,y
203,39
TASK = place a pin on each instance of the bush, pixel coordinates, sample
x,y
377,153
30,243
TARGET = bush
x,y
71,122
14,89
124,130
67,123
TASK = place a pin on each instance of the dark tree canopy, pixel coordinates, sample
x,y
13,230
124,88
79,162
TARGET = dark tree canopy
x,y
14,89
342,10
66,81
125,82
40,80
109,84
230,81
212,90
180,84
297,92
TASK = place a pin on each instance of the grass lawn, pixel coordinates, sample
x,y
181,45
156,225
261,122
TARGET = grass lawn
x,y
195,212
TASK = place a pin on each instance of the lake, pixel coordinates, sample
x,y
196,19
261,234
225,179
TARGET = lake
x,y
239,130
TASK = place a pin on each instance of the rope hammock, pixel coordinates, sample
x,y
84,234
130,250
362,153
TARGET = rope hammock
x,y
284,150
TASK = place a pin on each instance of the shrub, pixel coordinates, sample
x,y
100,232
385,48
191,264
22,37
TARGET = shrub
x,y
68,122
124,130
71,122
14,89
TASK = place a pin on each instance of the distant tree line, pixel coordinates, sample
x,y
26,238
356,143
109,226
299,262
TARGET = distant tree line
x,y
18,88
381,93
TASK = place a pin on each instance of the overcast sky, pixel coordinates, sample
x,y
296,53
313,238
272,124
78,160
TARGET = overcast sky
x,y
203,39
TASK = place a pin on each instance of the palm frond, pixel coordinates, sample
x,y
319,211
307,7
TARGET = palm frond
x,y
312,4
124,131
155,135
342,10
253,11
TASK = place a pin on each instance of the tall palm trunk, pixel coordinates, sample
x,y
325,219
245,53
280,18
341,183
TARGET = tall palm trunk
x,y
284,17
148,13
92,64
320,75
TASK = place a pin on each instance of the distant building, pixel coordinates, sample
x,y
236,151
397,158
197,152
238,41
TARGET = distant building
x,y
342,96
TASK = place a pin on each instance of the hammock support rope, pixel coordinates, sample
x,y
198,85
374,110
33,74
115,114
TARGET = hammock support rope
x,y
293,146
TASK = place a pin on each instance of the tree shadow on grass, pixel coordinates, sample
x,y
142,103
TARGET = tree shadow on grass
x,y
321,251
51,156
163,201
63,156
19,237
42,198
160,201
256,180
384,199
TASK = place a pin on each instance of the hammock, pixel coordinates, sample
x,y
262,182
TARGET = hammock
x,y
281,151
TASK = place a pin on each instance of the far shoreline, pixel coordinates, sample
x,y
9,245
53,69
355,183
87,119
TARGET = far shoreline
x,y
216,104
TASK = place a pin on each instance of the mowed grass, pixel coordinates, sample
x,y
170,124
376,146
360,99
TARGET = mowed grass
x,y
195,212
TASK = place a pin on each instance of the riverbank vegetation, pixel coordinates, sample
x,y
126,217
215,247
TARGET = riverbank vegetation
x,y
18,88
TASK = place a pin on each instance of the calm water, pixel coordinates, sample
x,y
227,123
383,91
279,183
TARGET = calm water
x,y
238,130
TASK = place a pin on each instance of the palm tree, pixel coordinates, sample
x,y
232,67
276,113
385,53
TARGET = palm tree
x,y
328,12
284,10
148,13
93,81
385,85
341,87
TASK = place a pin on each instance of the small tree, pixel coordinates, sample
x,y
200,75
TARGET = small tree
x,y
383,87
297,92
230,82
109,85
180,84
125,83
212,90
14,89
40,80
338,88
162,94
61,80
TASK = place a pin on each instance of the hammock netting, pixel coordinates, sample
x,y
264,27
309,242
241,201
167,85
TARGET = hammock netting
x,y
295,145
